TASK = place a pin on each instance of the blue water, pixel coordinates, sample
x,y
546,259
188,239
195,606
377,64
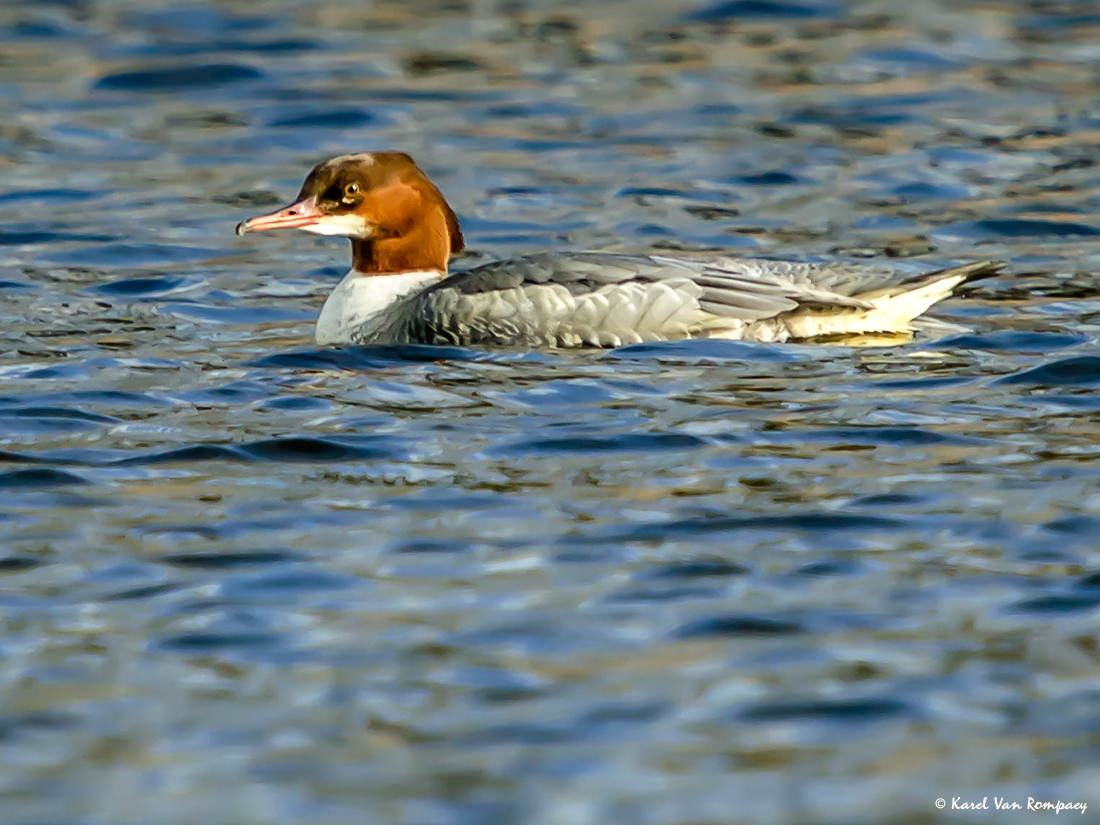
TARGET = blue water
x,y
247,580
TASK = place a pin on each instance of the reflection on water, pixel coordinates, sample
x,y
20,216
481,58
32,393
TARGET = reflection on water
x,y
246,580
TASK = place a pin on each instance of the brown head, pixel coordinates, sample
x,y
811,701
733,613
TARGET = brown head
x,y
396,218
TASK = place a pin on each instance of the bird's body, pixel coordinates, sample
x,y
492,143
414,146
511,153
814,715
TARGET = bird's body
x,y
607,300
399,292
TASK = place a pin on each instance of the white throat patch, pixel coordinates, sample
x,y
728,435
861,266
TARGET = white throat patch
x,y
348,225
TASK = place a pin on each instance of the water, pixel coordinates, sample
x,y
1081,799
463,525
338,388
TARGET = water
x,y
244,580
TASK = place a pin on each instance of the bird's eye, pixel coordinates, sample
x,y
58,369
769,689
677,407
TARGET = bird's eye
x,y
351,190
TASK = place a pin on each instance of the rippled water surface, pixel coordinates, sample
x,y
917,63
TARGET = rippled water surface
x,y
244,580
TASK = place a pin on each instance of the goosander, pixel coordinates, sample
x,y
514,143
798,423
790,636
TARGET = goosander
x,y
403,234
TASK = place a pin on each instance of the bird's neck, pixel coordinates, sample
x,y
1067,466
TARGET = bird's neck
x,y
423,246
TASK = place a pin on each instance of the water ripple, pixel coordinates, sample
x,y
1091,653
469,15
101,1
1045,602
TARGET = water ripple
x,y
43,478
180,78
848,711
739,626
1068,372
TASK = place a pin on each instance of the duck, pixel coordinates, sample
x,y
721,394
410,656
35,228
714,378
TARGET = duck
x,y
400,291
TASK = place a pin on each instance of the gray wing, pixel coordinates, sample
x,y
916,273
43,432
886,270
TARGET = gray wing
x,y
834,277
603,299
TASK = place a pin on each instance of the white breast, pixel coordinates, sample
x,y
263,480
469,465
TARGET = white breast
x,y
359,297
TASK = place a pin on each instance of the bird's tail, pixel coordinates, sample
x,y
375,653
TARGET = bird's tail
x,y
893,308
